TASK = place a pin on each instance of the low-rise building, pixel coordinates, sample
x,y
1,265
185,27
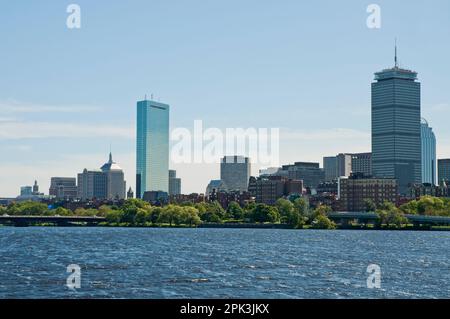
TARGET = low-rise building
x,y
356,190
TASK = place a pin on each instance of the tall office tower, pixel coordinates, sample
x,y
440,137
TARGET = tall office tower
x,y
174,183
444,170
330,168
115,179
428,154
152,147
362,163
63,187
396,142
92,185
235,172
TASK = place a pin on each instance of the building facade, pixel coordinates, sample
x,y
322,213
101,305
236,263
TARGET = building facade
x,y
235,172
330,168
63,188
115,179
152,147
337,166
174,183
396,130
362,163
354,191
444,170
92,184
310,173
269,189
428,154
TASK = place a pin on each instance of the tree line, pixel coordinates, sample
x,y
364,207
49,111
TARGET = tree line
x,y
294,212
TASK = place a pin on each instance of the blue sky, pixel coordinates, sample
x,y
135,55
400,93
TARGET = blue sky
x,y
303,66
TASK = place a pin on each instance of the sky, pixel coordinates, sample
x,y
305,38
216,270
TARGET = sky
x,y
68,96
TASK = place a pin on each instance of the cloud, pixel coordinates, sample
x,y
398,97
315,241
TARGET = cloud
x,y
27,129
12,106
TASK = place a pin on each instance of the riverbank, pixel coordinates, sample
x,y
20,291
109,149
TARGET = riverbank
x,y
238,226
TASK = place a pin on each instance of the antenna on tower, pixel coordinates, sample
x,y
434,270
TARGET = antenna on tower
x,y
396,61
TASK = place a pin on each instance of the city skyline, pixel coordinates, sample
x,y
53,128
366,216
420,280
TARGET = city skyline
x,y
54,121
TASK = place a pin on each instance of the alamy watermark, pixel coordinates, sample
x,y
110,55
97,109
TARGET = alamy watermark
x,y
208,146
74,279
74,19
374,278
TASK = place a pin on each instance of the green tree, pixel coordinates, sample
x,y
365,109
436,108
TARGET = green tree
x,y
264,213
288,213
189,216
322,222
61,211
390,215
370,205
235,210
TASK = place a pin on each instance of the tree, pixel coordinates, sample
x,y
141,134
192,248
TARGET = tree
x,y
61,211
235,211
390,215
288,213
323,222
264,213
370,205
190,216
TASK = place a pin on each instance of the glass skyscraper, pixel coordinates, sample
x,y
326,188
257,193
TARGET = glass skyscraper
x,y
152,147
396,137
428,154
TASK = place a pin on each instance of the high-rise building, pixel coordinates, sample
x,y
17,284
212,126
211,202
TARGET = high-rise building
x,y
106,183
115,179
152,147
362,163
174,183
330,168
396,141
92,184
63,187
235,172
337,166
428,154
356,190
444,170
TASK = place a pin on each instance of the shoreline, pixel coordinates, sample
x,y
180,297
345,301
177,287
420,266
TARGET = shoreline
x,y
235,226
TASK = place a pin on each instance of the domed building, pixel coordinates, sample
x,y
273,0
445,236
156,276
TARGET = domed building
x,y
115,180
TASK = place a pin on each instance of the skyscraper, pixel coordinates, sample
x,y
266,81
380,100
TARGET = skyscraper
x,y
396,141
337,166
152,147
235,172
428,154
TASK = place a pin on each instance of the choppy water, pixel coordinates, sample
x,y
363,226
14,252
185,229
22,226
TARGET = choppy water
x,y
222,263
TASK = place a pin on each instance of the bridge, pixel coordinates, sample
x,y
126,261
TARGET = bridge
x,y
56,220
417,220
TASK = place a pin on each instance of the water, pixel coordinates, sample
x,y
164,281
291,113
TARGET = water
x,y
222,263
